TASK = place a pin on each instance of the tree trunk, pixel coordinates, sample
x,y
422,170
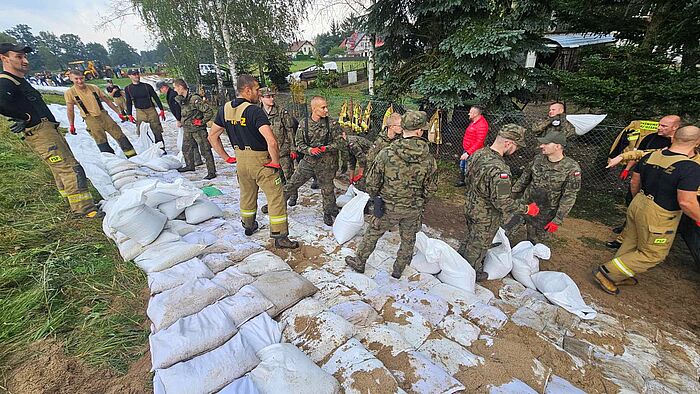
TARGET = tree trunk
x,y
217,59
370,64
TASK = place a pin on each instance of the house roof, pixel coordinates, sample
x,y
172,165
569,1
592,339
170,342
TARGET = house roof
x,y
295,46
575,40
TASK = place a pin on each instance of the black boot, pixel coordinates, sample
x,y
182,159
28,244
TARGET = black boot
x,y
355,264
481,276
286,243
210,175
253,230
314,184
292,201
185,169
264,209
328,219
460,181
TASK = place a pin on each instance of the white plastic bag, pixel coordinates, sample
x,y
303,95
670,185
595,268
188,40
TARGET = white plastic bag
x,y
526,262
420,261
561,290
499,262
585,122
285,369
166,308
164,256
345,198
139,222
173,277
454,269
351,218
202,210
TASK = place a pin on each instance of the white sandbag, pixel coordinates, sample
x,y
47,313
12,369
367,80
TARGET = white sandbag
x,y
499,262
380,337
360,283
171,209
331,294
200,237
346,197
164,192
259,263
459,329
526,262
153,151
585,122
232,279
142,185
130,249
180,226
192,335
387,288
410,324
351,218
307,307
285,369
141,223
420,261
284,289
210,371
247,303
99,178
172,161
416,371
189,298
449,354
201,211
157,164
358,371
128,173
122,167
454,269
320,335
174,276
125,181
242,385
356,312
431,307
164,256
561,290
260,332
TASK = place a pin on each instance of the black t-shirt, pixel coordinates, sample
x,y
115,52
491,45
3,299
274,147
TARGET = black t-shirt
x,y
18,100
173,104
142,96
654,141
663,183
117,90
247,133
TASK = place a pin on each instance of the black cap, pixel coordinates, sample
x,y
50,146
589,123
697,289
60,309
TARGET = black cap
x,y
8,46
160,84
133,71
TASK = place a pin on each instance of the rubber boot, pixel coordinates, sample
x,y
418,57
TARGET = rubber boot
x,y
355,264
251,231
286,243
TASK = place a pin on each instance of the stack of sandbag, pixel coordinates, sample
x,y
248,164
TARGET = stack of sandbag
x,y
435,256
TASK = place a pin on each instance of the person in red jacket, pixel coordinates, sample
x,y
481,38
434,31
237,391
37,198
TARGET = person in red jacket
x,y
474,137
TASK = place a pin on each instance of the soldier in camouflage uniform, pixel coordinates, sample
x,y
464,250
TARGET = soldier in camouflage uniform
x,y
488,191
354,153
195,113
552,182
404,175
391,133
556,121
320,140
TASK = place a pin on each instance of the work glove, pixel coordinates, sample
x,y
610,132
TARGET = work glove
x,y
131,119
162,114
293,155
356,178
532,209
71,129
624,174
697,223
278,170
231,160
551,227
18,126
317,151
122,117
196,122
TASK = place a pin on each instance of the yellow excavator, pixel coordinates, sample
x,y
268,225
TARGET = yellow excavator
x,y
90,68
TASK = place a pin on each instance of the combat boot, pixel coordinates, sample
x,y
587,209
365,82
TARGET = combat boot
x,y
185,169
198,163
292,201
314,184
355,264
210,175
604,281
263,209
328,219
253,230
481,276
286,243
460,181
396,273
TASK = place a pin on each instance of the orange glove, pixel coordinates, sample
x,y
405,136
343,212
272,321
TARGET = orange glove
x,y
551,227
316,151
131,119
271,165
231,160
293,155
532,209
71,129
356,178
196,122
122,117
162,114
624,174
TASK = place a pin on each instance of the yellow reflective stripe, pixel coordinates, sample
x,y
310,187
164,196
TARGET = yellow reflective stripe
x,y
79,197
130,152
278,219
246,213
63,193
622,267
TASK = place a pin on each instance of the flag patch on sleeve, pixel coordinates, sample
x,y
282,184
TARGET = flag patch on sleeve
x,y
577,173
503,175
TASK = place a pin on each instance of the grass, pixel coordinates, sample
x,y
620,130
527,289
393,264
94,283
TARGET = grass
x,y
121,82
59,276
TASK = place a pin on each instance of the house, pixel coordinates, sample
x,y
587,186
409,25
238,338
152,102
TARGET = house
x,y
301,48
359,44
565,49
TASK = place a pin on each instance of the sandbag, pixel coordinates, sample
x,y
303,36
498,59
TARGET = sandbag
x,y
380,337
172,162
260,332
131,217
174,276
232,279
201,211
561,290
420,261
164,256
285,369
247,303
192,335
130,249
122,167
259,263
120,183
346,197
189,298
331,294
449,354
454,269
413,327
180,226
416,372
320,335
242,385
358,371
157,164
165,192
172,209
360,283
431,307
200,237
351,218
306,307
499,262
128,173
358,313
526,262
284,289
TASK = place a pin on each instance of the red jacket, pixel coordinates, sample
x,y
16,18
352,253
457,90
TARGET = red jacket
x,y
475,135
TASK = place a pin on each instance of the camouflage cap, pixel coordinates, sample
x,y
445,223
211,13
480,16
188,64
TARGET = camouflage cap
x,y
553,136
266,91
414,120
514,133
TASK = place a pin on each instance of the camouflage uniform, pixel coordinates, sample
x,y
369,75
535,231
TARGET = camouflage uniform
x,y
543,127
553,187
314,134
355,153
281,122
405,176
195,137
380,143
489,202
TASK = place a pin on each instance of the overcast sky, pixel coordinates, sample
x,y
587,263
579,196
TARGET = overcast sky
x,y
85,18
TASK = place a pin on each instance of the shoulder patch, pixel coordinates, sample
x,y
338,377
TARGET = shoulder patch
x,y
503,175
577,173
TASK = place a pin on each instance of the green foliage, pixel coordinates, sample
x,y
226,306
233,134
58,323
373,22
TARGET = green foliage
x,y
324,79
336,52
122,53
278,64
97,51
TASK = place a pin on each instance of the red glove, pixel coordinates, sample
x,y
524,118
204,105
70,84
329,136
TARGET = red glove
x,y
271,165
532,209
162,114
315,151
551,227
354,179
122,117
624,174
71,129
131,119
323,148
293,155
231,160
697,223
196,122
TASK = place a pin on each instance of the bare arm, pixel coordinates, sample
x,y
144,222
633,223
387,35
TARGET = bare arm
x,y
214,138
71,115
635,183
688,201
272,147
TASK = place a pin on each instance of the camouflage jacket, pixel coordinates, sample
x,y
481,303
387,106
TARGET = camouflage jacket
x,y
488,187
380,143
553,186
281,123
357,147
404,175
311,134
544,126
194,107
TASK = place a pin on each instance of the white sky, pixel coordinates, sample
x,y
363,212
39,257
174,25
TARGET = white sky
x,y
85,18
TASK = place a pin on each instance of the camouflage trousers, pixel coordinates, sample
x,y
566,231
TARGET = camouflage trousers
x,y
287,165
195,140
479,237
324,169
409,223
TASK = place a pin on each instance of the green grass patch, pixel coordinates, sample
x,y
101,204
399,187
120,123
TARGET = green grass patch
x,y
121,82
50,98
59,276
